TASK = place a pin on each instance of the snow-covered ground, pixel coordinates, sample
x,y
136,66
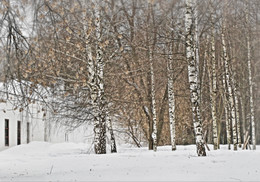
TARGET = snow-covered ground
x,y
40,161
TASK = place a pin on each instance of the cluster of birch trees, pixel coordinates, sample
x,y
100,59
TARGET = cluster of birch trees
x,y
162,72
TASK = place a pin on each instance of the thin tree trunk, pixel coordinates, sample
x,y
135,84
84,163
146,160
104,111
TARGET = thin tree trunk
x,y
192,74
92,81
235,93
154,133
93,88
46,125
162,114
213,90
230,99
252,112
205,57
242,99
171,99
197,60
228,131
112,136
150,57
237,112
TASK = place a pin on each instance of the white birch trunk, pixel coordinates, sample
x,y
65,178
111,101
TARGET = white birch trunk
x,y
242,98
89,56
238,123
171,99
154,133
100,118
92,85
235,92
237,112
252,112
93,82
197,59
213,90
228,131
192,74
112,136
205,62
230,99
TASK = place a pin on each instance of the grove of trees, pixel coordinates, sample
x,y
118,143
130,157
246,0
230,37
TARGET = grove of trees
x,y
164,72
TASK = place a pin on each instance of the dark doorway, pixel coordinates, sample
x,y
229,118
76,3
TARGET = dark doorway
x,y
6,132
18,132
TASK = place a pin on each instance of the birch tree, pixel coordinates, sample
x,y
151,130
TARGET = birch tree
x,y
192,75
235,92
226,110
112,136
171,99
153,103
213,84
100,116
72,48
251,100
229,88
154,133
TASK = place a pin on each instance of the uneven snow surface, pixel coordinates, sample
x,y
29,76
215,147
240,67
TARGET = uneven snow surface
x,y
40,161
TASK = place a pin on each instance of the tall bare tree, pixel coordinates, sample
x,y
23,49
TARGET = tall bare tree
x,y
252,111
193,79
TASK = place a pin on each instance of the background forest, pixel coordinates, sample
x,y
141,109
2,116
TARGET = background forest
x,y
128,65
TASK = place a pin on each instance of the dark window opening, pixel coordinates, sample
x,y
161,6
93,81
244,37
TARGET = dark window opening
x,y
28,132
18,132
6,132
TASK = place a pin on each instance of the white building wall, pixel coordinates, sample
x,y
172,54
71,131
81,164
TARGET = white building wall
x,y
40,129
7,112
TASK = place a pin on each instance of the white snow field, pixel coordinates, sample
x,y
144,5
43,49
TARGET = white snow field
x,y
41,161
